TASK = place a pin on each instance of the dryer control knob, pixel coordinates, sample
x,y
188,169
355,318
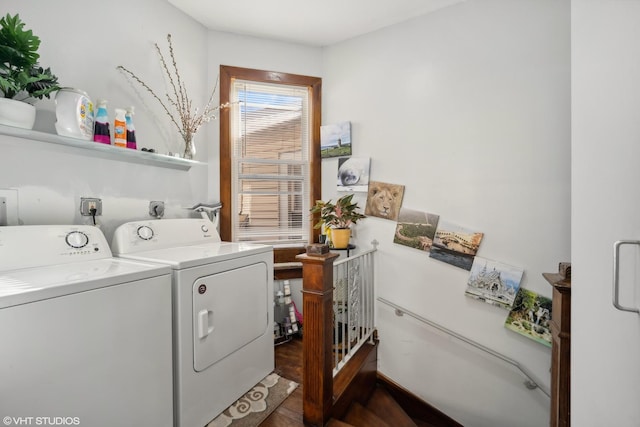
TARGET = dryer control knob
x,y
77,239
145,232
204,228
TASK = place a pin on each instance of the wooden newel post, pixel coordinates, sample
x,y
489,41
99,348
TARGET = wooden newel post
x,y
317,361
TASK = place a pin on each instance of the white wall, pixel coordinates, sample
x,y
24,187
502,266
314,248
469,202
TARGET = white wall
x,y
83,45
469,108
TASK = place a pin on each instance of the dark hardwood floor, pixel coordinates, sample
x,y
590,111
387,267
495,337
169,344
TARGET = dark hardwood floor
x,y
288,361
288,365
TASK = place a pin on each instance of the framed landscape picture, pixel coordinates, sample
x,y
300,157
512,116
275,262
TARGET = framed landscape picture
x,y
530,316
416,229
335,140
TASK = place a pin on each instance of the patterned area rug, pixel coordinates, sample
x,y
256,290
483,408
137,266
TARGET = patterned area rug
x,y
257,404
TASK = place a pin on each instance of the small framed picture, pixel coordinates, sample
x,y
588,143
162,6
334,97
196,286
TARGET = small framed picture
x,y
335,140
384,200
353,174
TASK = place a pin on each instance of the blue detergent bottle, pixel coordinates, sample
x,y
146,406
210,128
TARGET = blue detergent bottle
x,y
101,131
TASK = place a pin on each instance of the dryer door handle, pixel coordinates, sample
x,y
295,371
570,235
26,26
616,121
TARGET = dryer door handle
x,y
205,323
616,275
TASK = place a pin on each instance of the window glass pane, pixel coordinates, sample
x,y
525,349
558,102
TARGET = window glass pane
x,y
270,134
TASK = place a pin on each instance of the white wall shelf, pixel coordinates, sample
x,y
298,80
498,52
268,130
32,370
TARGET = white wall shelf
x,y
102,150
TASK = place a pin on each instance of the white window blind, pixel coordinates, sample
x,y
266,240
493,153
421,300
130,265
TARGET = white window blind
x,y
270,183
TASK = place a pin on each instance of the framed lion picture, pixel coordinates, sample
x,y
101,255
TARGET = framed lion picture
x,y
384,200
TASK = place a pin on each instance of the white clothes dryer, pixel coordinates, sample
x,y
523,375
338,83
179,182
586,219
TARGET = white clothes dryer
x,y
86,338
222,310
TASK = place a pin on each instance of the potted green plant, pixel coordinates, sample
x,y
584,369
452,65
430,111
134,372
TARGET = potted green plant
x,y
338,217
22,79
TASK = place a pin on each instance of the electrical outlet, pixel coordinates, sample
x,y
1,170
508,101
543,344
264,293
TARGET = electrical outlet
x,y
89,203
156,209
8,207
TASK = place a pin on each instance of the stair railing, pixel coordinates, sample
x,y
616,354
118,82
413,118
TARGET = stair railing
x,y
317,341
353,305
530,383
317,361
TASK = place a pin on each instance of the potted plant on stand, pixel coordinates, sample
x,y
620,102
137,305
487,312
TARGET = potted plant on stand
x,y
22,80
338,217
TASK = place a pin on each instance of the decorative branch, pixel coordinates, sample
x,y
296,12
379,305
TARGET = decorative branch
x,y
187,121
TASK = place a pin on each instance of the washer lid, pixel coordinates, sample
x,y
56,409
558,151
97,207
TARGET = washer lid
x,y
181,257
39,283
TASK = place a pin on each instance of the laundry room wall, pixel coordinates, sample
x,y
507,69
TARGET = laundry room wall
x,y
83,46
469,109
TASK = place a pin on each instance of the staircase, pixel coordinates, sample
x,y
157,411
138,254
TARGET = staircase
x,y
356,394
382,410
341,383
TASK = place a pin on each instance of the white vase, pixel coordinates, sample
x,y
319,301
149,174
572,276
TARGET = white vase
x,y
17,113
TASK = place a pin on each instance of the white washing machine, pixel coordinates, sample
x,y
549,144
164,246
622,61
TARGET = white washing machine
x,y
223,310
85,338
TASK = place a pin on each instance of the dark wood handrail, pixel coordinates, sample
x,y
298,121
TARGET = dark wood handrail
x,y
317,362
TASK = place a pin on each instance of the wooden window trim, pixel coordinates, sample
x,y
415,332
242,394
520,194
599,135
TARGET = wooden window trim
x,y
227,74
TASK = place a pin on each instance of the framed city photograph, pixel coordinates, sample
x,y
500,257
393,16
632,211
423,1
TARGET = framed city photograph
x,y
455,245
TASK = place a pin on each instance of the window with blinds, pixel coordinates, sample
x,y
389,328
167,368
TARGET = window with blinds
x,y
270,133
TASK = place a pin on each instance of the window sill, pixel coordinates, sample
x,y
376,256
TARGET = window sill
x,y
287,270
285,265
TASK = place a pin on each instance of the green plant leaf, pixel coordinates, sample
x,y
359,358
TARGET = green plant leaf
x,y
8,86
18,47
339,215
41,82
20,73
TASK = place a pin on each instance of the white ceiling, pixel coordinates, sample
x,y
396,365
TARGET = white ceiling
x,y
315,23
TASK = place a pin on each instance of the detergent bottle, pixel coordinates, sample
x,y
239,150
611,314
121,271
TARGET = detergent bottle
x,y
131,131
101,126
120,129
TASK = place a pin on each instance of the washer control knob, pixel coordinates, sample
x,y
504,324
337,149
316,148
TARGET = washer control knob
x,y
145,232
77,239
204,228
